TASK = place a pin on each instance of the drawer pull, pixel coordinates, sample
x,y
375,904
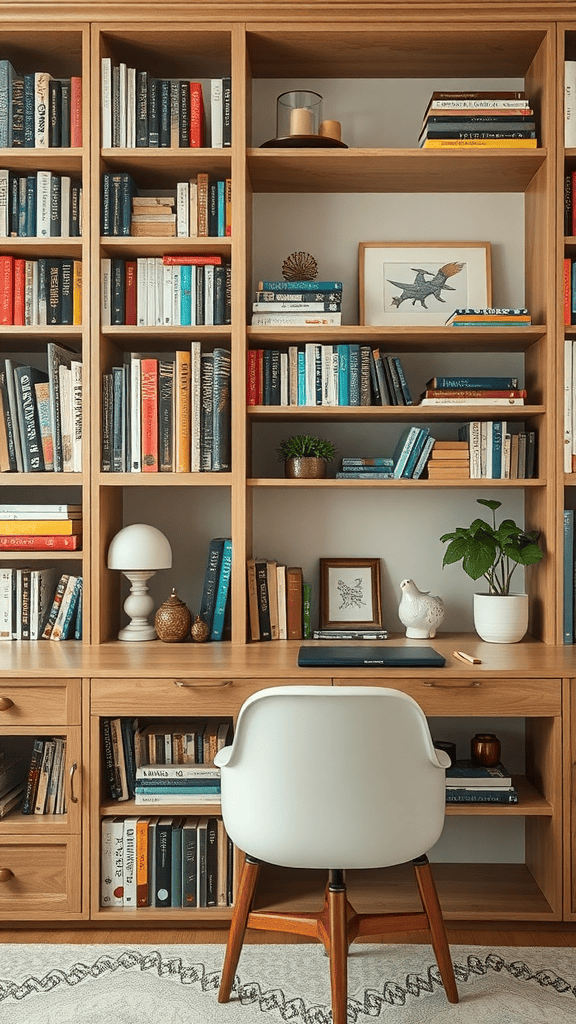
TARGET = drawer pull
x,y
6,874
6,703
73,798
456,685
203,686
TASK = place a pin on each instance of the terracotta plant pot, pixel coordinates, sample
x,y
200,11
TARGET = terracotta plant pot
x,y
307,468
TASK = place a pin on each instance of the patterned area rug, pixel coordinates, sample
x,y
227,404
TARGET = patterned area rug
x,y
177,984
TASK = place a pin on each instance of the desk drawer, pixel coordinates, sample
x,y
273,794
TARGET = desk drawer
x,y
179,696
49,703
39,877
475,695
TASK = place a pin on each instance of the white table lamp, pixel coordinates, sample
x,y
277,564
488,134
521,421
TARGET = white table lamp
x,y
138,551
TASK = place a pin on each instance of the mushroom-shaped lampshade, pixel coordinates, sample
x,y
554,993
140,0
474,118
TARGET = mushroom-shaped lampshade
x,y
138,551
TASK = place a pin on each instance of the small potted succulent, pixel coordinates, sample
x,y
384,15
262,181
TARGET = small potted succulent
x,y
494,552
305,456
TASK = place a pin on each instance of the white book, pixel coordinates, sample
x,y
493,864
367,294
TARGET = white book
x,y
105,291
65,186
310,362
296,320
151,292
570,104
135,412
176,296
568,399
335,375
4,202
471,401
106,102
129,862
195,406
177,771
44,777
283,378
208,295
41,106
176,798
159,287
42,587
193,288
65,379
489,433
43,189
167,295
216,113
193,216
54,780
77,403
122,86
141,291
6,604
131,108
573,426
118,861
182,209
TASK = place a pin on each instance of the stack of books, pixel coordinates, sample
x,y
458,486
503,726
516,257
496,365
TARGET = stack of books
x,y
153,215
380,468
449,460
177,784
494,120
350,634
169,861
467,782
412,452
40,527
297,304
279,601
44,791
503,317
473,391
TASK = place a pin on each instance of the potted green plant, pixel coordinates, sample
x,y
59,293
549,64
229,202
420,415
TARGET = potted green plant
x,y
495,552
305,456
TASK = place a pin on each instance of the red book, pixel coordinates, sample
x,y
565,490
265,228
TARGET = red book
x,y
259,376
76,111
6,289
40,542
130,288
196,115
178,259
228,206
19,291
294,602
251,377
566,291
149,370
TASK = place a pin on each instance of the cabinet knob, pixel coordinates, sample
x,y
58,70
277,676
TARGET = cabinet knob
x,y
6,703
6,874
73,769
203,686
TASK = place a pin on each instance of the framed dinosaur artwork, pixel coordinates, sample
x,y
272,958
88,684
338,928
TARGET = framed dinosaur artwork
x,y
421,283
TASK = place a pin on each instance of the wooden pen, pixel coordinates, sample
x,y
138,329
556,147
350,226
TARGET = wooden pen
x,y
467,657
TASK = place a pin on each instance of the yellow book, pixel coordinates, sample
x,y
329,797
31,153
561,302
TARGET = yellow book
x,y
77,293
40,527
480,144
182,408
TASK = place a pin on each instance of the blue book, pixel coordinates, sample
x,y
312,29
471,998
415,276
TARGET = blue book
x,y
221,208
299,286
423,457
7,76
222,592
198,783
351,474
403,382
491,383
354,374
67,625
415,452
185,295
568,566
30,214
211,578
301,378
343,375
78,621
368,463
406,441
498,435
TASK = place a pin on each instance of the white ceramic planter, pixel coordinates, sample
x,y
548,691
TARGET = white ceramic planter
x,y
499,619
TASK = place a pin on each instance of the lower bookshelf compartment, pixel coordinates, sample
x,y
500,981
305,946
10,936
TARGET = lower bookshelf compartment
x,y
466,891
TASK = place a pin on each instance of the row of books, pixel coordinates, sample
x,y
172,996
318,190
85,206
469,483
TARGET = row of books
x,y
313,374
40,205
44,788
498,454
37,110
279,601
166,861
40,292
41,414
200,208
467,782
40,604
156,291
503,317
156,758
168,416
297,303
139,110
471,119
569,446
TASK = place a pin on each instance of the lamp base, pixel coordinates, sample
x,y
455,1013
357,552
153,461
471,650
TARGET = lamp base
x,y
137,632
138,606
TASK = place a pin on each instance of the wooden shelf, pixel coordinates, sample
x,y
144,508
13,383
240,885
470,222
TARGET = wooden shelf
x,y
392,484
404,339
165,479
531,803
394,413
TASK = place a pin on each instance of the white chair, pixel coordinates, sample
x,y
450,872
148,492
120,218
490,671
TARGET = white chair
x,y
333,777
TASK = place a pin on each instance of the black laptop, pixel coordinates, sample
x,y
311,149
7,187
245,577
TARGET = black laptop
x,y
365,657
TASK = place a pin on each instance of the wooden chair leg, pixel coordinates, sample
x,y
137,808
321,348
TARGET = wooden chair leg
x,y
338,953
431,904
246,889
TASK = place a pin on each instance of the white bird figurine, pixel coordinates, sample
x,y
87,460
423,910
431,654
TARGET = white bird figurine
x,y
419,611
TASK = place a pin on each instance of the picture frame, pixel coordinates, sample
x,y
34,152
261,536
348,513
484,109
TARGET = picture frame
x,y
421,283
350,594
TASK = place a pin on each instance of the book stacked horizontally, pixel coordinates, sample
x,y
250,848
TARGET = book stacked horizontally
x,y
297,304
153,215
494,120
473,391
467,782
412,452
40,527
489,318
381,468
449,460
177,784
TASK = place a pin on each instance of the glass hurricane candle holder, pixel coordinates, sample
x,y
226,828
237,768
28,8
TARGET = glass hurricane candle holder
x,y
298,113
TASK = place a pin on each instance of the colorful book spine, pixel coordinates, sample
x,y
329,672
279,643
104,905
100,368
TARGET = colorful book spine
x,y
222,592
149,415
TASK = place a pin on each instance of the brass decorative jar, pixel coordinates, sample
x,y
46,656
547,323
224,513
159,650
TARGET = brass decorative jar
x,y
200,631
307,467
172,620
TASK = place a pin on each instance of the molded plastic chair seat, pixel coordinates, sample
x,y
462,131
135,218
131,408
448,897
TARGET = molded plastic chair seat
x,y
333,777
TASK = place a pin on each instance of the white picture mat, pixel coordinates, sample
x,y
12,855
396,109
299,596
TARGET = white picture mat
x,y
350,594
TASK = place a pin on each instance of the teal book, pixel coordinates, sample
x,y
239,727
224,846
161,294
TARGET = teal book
x,y
354,375
423,458
185,295
498,435
406,441
211,578
299,286
415,452
301,378
222,591
343,375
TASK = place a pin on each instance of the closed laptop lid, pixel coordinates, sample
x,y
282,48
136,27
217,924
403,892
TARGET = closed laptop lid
x,y
362,656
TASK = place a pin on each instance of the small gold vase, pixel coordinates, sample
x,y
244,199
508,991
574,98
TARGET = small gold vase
x,y
308,467
200,632
172,620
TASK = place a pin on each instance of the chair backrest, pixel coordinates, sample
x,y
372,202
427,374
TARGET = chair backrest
x,y
332,777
